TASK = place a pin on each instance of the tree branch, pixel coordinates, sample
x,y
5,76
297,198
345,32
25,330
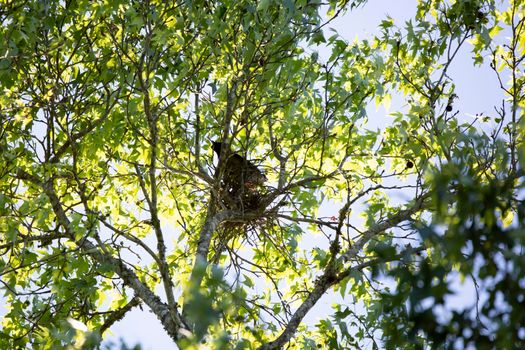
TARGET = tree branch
x,y
384,225
330,277
119,314
176,328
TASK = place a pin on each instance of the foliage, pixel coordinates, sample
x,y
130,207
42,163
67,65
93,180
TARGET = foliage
x,y
110,196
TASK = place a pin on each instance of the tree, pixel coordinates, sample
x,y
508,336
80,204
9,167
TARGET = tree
x,y
110,197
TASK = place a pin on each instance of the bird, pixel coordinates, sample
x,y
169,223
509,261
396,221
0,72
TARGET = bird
x,y
240,175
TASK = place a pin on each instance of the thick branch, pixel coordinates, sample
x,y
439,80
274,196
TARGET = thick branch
x,y
212,221
119,314
172,326
152,119
330,277
382,226
320,288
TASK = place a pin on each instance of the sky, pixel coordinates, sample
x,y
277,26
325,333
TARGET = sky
x,y
474,86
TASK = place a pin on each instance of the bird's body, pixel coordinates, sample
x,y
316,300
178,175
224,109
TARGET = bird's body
x,y
240,176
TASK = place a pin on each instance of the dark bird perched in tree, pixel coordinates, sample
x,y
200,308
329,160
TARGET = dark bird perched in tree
x,y
241,178
450,102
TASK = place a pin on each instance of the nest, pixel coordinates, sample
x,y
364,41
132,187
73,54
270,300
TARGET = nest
x,y
231,231
249,201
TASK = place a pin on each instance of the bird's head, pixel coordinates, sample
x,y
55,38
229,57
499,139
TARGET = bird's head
x,y
217,146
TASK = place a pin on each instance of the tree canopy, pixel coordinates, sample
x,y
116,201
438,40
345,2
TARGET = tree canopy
x,y
111,196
